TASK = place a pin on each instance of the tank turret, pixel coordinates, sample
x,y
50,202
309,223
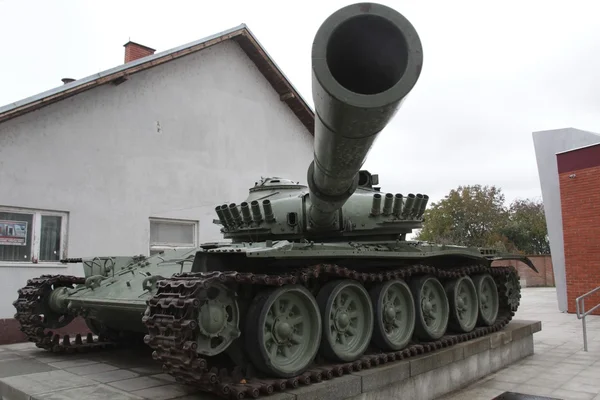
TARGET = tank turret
x,y
365,61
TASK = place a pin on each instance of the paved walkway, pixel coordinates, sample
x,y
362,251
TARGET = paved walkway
x,y
559,368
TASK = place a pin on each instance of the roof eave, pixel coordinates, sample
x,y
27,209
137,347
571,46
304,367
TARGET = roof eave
x,y
292,95
120,73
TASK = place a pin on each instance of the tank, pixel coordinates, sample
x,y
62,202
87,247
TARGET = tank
x,y
310,282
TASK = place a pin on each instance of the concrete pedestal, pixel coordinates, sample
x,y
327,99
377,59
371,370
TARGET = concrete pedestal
x,y
28,373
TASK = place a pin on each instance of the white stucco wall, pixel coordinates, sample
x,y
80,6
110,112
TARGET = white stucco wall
x,y
172,142
547,144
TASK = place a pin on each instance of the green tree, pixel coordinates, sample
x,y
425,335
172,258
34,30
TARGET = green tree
x,y
476,216
469,216
526,227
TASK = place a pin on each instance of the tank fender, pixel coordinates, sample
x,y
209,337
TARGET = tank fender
x,y
523,259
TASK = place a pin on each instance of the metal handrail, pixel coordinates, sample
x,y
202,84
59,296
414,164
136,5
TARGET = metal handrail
x,y
581,313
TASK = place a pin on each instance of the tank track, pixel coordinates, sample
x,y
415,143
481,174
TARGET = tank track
x,y
33,325
173,327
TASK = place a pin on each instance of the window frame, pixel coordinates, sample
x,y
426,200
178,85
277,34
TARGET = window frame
x,y
175,221
36,228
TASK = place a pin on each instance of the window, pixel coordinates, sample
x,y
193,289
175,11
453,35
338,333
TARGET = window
x,y
32,235
172,234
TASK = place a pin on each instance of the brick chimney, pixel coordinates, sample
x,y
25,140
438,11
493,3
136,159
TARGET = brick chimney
x,y
133,51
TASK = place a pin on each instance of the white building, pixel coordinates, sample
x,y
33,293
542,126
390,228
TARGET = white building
x,y
137,157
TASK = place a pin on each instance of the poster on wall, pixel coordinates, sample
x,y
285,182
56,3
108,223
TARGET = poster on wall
x,y
13,233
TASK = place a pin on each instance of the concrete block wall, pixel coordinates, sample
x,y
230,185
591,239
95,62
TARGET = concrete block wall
x,y
450,369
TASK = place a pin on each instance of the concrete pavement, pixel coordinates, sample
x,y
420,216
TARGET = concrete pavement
x,y
559,368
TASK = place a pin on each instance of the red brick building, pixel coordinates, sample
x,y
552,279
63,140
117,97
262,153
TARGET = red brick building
x,y
579,179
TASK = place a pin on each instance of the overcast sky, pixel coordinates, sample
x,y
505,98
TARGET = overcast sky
x,y
492,74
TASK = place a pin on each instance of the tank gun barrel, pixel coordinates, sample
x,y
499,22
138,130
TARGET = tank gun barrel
x,y
366,58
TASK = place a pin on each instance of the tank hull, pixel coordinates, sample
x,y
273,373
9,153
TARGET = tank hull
x,y
179,319
118,298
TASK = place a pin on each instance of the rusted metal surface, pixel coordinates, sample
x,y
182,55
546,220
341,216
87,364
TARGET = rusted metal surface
x,y
31,298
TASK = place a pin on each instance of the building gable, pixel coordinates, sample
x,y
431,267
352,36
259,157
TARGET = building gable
x,y
240,35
